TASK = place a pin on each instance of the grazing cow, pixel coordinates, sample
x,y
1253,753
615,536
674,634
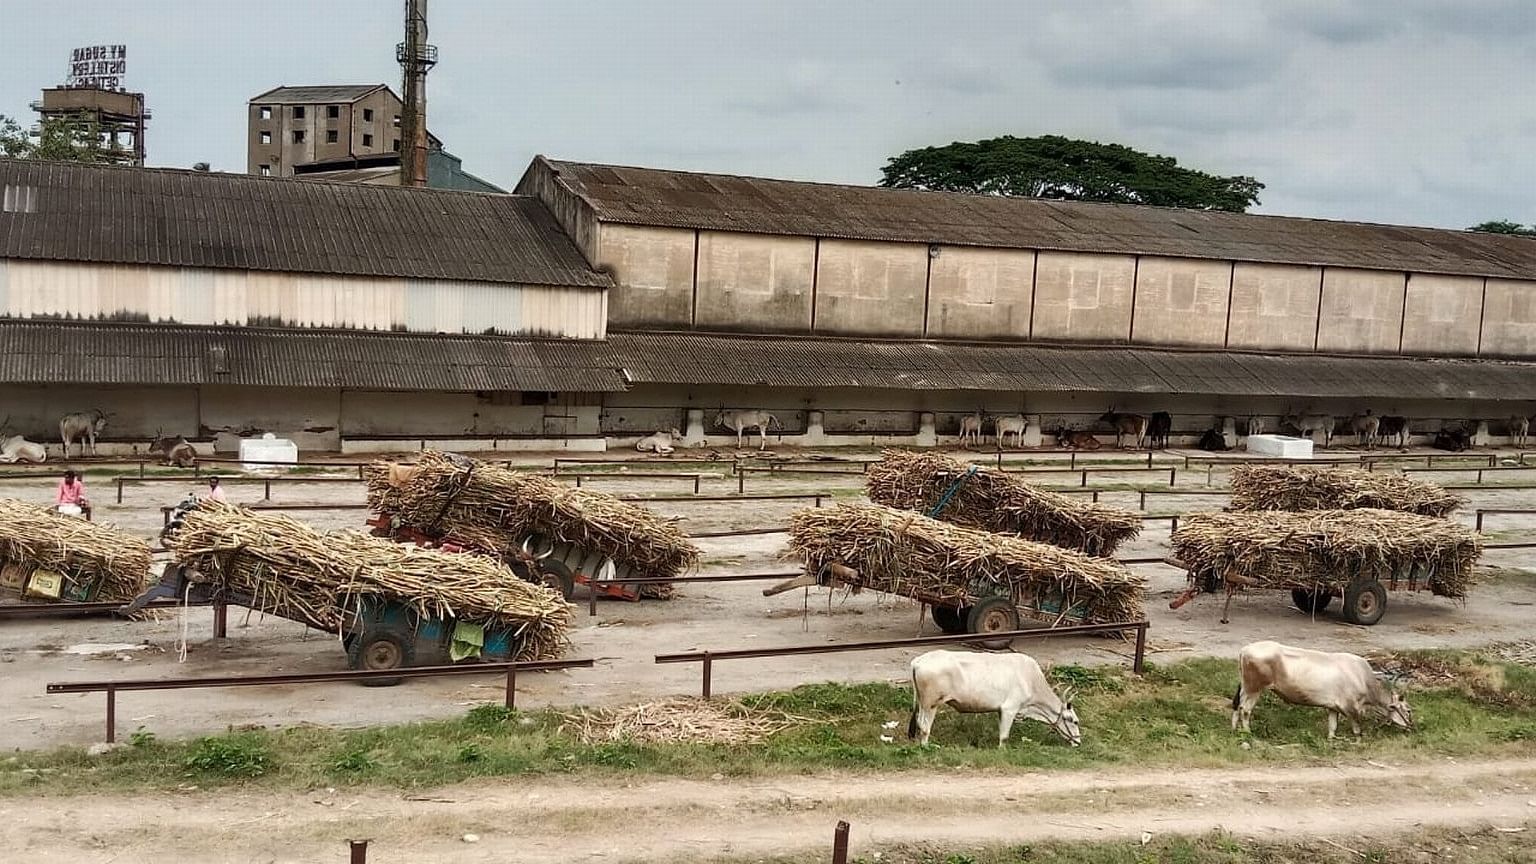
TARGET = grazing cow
x,y
1519,429
1367,429
1255,425
1016,425
662,442
1342,683
1076,440
84,425
1133,425
745,420
1393,428
1306,424
174,451
1158,429
1454,438
975,683
970,429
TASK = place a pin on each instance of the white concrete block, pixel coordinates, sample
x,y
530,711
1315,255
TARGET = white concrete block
x,y
1280,446
927,430
268,448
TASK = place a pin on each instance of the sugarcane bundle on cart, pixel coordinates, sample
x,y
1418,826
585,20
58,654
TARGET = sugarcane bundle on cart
x,y
1321,554
977,497
1293,487
578,534
973,581
392,604
49,557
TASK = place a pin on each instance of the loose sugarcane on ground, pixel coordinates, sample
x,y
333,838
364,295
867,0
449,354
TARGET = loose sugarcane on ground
x,y
98,562
1328,549
994,501
1289,487
906,553
492,509
318,578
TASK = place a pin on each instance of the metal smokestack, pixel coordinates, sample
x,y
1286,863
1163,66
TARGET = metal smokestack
x,y
416,58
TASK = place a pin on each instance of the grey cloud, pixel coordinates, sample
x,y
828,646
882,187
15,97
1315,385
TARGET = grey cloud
x,y
789,102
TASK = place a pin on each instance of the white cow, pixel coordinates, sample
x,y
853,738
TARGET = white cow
x,y
18,449
1015,425
662,442
744,420
1519,429
82,425
1342,683
1306,424
970,429
1255,425
974,683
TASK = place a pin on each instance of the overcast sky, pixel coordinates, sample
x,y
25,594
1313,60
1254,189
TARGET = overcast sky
x,y
1412,111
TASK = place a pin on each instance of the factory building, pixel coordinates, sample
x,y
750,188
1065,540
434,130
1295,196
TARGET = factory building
x,y
599,303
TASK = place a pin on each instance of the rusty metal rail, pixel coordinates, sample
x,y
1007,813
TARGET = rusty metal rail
x,y
1143,493
707,659
1498,511
696,477
111,688
233,480
45,610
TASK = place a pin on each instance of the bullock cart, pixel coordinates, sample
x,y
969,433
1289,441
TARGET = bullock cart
x,y
391,605
1318,555
46,556
972,581
982,498
570,536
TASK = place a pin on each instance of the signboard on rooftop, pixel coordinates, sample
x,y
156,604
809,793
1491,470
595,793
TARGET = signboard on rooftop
x,y
100,66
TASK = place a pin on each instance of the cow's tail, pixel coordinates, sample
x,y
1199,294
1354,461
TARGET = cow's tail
x,y
1237,698
912,719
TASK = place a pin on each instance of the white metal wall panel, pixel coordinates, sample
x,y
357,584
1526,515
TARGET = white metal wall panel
x,y
204,296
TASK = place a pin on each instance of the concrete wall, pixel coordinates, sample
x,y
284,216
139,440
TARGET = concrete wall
x,y
654,272
1083,297
1274,306
573,214
1181,301
1361,311
193,295
980,293
871,288
1441,314
1509,319
755,282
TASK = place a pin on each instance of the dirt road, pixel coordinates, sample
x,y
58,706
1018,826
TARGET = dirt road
x,y
544,820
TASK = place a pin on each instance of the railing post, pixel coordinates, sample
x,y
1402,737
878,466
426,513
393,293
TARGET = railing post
x,y
741,482
511,701
708,669
220,620
119,490
696,479
1172,477
1143,501
359,851
1084,474
266,488
1149,458
591,596
111,715
840,844
578,481
1173,524
1479,521
1138,661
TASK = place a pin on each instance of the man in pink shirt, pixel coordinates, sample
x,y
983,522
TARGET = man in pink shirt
x,y
215,491
72,491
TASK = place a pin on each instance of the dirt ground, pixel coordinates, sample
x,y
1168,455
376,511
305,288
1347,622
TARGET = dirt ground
x,y
556,820
626,636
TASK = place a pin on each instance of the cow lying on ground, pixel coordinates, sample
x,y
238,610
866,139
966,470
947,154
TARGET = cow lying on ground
x,y
974,683
1453,438
662,442
1076,440
1341,683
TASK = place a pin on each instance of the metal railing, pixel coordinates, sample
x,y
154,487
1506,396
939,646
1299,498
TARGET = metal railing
x,y
233,480
707,659
1501,511
111,688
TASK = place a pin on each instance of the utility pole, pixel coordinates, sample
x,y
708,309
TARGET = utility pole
x,y
416,58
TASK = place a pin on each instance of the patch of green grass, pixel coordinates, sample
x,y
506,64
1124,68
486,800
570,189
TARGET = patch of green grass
x,y
1176,714
1441,846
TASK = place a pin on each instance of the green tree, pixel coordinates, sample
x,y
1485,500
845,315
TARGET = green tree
x,y
1504,226
1051,166
72,138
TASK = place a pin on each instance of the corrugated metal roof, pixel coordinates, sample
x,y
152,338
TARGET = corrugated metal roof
x,y
317,93
775,361
680,199
108,353
101,213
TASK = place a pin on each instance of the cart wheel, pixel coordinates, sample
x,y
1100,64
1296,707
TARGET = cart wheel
x,y
1311,602
556,576
993,615
379,649
1365,601
949,619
